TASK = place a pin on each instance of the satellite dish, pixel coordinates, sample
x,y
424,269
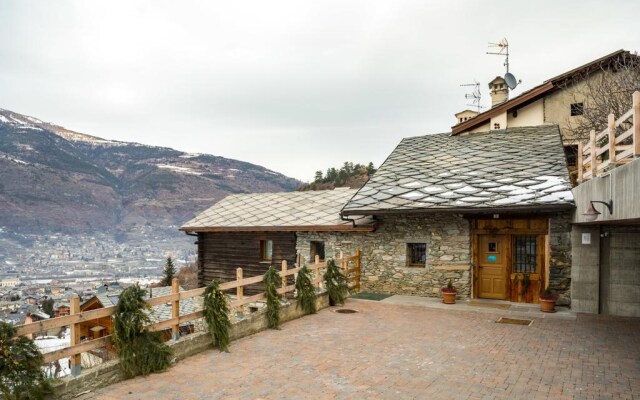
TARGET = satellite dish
x,y
511,80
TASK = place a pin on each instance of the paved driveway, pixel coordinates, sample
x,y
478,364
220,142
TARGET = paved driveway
x,y
389,351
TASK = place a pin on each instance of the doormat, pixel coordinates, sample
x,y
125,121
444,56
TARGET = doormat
x,y
514,321
370,296
489,305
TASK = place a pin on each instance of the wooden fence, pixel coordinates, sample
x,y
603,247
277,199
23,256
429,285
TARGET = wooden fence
x,y
619,147
350,267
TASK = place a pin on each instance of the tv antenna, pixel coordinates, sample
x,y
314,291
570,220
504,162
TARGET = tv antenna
x,y
503,50
475,95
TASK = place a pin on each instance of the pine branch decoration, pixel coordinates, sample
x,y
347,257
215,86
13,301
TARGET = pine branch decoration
x,y
21,376
335,283
140,351
306,293
272,282
216,314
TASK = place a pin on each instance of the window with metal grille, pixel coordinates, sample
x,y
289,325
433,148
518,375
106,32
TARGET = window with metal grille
x,y
525,254
416,254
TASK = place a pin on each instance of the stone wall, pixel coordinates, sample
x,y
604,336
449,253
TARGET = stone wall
x,y
384,253
560,257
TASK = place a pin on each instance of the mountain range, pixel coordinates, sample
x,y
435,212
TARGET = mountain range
x,y
56,180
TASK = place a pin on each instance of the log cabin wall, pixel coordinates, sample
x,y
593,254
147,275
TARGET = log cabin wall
x,y
221,253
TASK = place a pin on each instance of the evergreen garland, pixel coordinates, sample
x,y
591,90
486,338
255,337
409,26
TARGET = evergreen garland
x,y
272,282
21,376
140,351
216,314
306,293
335,283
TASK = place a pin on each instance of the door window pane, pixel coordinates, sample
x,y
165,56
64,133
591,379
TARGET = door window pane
x,y
525,254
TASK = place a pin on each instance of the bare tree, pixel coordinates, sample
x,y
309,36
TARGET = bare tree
x,y
601,91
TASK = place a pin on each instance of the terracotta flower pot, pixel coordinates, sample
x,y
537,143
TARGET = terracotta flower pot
x,y
547,305
449,297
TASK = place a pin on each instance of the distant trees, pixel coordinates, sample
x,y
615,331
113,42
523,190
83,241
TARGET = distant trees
x,y
168,273
47,307
350,174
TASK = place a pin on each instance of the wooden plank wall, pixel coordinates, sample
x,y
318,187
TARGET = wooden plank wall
x,y
221,253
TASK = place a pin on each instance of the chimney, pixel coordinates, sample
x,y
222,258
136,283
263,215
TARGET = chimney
x,y
465,115
498,90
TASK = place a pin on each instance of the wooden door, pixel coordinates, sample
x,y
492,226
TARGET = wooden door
x,y
492,266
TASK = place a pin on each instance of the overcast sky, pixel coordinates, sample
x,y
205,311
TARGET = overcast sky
x,y
295,86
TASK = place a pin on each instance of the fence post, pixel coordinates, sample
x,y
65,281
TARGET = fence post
x,y
75,361
316,266
594,163
284,271
240,288
612,140
357,270
579,162
175,309
636,124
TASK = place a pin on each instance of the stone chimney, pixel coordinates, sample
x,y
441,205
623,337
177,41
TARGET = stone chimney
x,y
498,90
465,115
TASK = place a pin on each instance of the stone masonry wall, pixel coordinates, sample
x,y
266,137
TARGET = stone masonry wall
x,y
560,257
384,253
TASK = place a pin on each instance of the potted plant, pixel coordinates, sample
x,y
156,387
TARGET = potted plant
x,y
449,293
548,300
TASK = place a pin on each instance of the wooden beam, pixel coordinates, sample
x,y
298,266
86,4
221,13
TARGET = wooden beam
x,y
612,140
75,360
75,350
579,161
175,308
636,124
594,166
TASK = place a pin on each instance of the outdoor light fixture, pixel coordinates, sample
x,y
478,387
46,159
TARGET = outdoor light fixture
x,y
592,214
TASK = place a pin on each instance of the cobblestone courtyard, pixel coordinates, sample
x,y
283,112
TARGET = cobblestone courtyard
x,y
388,351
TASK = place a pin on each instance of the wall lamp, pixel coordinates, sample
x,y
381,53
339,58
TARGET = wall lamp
x,y
592,214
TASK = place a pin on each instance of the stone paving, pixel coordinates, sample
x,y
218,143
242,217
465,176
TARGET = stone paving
x,y
391,351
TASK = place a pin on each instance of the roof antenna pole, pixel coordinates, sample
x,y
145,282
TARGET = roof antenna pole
x,y
503,50
474,96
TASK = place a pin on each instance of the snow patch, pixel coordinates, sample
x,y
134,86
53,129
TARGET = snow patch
x,y
181,170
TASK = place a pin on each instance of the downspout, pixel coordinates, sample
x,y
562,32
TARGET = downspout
x,y
353,221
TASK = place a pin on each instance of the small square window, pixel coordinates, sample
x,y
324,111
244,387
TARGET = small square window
x,y
577,109
266,250
492,247
317,249
416,255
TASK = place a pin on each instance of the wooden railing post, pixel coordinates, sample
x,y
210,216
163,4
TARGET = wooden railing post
x,y
579,162
612,140
594,164
636,124
240,288
316,266
175,309
75,361
284,272
357,270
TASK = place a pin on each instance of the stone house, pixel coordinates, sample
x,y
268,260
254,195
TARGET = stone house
x,y
488,211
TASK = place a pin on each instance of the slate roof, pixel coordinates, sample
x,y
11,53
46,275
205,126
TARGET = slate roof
x,y
517,168
287,211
